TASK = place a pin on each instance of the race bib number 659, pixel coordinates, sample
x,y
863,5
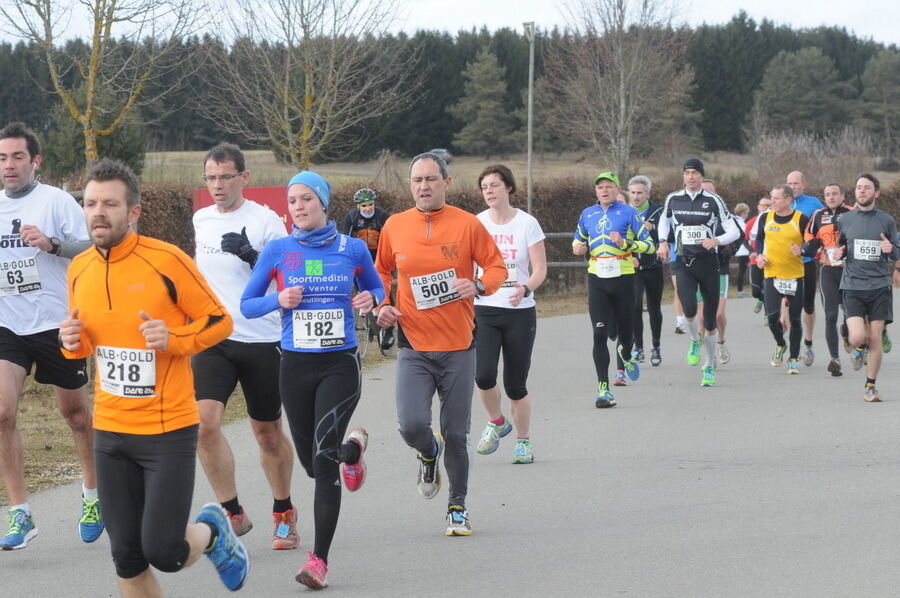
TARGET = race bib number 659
x,y
867,249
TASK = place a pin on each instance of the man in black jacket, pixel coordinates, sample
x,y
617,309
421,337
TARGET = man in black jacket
x,y
649,272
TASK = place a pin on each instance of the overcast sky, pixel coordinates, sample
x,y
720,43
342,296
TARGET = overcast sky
x,y
876,19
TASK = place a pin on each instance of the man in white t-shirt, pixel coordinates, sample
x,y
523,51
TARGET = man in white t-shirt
x,y
229,236
41,229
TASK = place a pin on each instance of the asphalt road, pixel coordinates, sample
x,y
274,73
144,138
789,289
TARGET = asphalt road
x,y
766,485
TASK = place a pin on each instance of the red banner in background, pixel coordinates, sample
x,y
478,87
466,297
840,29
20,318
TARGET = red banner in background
x,y
274,198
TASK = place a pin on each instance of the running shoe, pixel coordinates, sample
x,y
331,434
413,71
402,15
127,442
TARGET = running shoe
x,y
523,453
793,366
758,307
429,479
354,475
227,554
90,526
632,369
886,343
285,536
313,573
619,380
778,357
722,354
20,529
604,397
857,356
809,357
458,521
693,355
490,437
655,357
871,395
240,523
679,327
638,354
709,376
387,340
742,294
834,368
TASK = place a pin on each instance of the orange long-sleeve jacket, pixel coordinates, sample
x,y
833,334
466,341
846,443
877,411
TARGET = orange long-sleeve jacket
x,y
429,249
141,391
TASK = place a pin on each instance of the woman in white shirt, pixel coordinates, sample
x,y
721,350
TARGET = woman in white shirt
x,y
507,319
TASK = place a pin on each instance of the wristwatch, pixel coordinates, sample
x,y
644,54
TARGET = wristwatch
x,y
479,286
527,291
54,246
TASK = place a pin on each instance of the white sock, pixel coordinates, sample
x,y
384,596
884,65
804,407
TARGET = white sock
x,y
89,493
692,328
23,506
709,342
679,321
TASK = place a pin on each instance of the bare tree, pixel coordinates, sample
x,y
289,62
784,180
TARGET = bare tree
x,y
619,74
304,76
115,72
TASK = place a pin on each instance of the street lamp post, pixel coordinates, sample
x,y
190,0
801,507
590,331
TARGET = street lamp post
x,y
529,35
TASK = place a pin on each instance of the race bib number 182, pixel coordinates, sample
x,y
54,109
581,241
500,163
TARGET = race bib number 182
x,y
318,328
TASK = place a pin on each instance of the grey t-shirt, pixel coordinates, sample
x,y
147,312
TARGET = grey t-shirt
x,y
860,232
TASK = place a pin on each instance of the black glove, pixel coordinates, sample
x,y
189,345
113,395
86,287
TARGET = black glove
x,y
239,245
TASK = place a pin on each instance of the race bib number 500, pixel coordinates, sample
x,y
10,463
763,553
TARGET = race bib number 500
x,y
318,328
432,290
127,373
19,276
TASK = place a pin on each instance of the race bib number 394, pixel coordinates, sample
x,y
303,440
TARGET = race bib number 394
x,y
432,290
318,328
867,249
128,373
19,276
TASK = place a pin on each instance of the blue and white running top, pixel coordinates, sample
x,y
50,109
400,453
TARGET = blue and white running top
x,y
324,320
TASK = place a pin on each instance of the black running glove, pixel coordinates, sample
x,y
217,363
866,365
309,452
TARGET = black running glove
x,y
239,245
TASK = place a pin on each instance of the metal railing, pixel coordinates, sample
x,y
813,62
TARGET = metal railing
x,y
573,264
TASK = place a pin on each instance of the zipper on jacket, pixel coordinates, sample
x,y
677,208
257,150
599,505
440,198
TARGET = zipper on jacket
x,y
427,226
108,296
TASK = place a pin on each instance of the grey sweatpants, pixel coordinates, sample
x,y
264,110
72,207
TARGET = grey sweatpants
x,y
452,375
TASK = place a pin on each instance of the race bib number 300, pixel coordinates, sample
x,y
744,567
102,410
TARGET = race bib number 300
x,y
432,290
127,373
318,328
692,235
19,276
867,249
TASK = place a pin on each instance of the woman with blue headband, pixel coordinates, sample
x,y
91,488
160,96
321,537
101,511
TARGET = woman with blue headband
x,y
314,269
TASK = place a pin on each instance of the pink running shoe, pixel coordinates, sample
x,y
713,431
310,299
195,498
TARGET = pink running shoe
x,y
313,573
240,523
355,475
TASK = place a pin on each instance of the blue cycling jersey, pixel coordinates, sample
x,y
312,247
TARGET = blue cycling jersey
x,y
324,320
597,223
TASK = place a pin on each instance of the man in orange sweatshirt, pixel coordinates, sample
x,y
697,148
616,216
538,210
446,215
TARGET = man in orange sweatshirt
x,y
431,249
140,307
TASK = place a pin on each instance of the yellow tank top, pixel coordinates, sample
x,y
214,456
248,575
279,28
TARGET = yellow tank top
x,y
781,262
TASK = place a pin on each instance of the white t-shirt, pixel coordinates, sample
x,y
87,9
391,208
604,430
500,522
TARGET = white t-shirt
x,y
228,274
513,239
33,293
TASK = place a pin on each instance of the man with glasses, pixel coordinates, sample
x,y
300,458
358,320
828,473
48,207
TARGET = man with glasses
x,y
230,235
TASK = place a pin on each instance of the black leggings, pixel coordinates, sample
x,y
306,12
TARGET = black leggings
x,y
756,282
743,262
608,298
652,281
830,277
145,483
702,272
320,392
513,331
809,286
773,313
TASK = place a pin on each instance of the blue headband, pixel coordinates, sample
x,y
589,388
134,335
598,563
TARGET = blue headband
x,y
315,182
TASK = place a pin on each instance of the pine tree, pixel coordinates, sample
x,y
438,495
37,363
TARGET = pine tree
x,y
489,127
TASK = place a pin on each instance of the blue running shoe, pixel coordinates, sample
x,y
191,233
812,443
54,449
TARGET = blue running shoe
x,y
90,526
604,397
227,553
21,530
632,369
